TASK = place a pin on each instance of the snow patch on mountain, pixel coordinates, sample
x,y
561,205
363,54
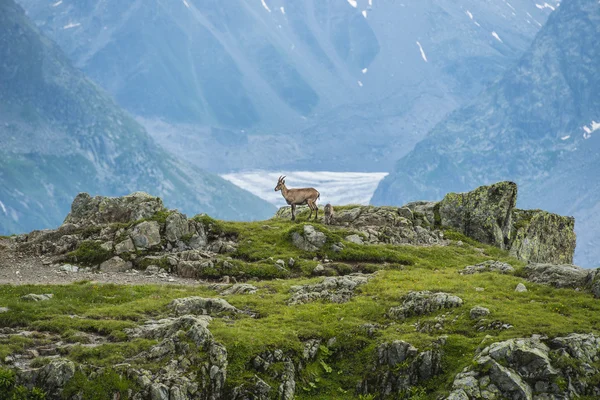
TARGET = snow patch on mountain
x,y
494,34
353,3
264,4
186,4
545,5
3,208
422,52
71,25
58,3
594,126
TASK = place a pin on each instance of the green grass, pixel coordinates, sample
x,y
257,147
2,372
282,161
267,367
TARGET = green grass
x,y
108,310
89,253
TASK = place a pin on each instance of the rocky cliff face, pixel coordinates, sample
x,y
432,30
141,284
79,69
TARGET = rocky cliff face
x,y
535,126
62,135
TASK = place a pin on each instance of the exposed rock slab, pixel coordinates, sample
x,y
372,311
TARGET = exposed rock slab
x,y
202,306
424,302
559,276
488,266
310,239
337,289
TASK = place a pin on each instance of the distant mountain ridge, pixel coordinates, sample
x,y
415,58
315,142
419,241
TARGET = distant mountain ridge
x,y
536,126
61,134
230,84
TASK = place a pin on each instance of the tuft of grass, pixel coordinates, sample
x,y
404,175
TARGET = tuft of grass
x,y
105,385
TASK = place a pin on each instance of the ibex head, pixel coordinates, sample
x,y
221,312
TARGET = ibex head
x,y
280,183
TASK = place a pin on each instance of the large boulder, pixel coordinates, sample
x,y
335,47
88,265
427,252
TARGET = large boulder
x,y
87,210
202,306
176,227
541,237
310,239
337,289
146,235
560,276
483,214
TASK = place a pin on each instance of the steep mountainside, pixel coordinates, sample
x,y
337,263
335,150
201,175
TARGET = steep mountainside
x,y
61,134
419,302
221,81
536,126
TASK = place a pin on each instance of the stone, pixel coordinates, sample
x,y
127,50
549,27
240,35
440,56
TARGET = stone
x,y
488,266
152,270
126,246
310,240
291,262
37,297
484,214
202,306
68,268
280,263
520,288
240,288
478,312
338,289
115,264
355,239
559,276
318,269
176,227
424,302
4,310
195,326
87,210
108,246
146,235
541,237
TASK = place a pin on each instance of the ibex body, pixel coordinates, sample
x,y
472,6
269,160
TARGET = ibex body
x,y
328,214
299,197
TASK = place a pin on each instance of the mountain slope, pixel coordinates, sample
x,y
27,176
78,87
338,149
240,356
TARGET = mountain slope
x,y
534,126
227,83
61,134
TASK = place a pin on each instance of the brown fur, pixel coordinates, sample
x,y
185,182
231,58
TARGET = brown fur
x,y
329,213
299,197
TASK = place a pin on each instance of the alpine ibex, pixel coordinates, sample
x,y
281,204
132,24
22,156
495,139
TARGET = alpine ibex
x,y
299,197
328,214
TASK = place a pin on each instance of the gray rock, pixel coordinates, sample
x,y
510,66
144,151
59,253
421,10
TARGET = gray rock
x,y
478,312
318,269
281,263
146,235
68,268
108,246
152,270
291,262
488,266
159,391
559,276
521,288
4,310
37,297
202,306
240,288
425,302
311,348
126,246
337,289
355,239
176,227
87,210
310,240
115,264
195,326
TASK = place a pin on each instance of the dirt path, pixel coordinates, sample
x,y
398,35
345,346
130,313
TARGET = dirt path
x,y
20,269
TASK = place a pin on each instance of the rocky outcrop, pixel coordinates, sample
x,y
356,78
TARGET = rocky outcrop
x,y
202,306
488,266
52,377
400,366
485,214
532,368
559,276
337,289
425,302
541,237
310,239
87,210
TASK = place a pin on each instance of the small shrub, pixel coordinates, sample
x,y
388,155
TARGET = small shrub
x,y
89,253
106,385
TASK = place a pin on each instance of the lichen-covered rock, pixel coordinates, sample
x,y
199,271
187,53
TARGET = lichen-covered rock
x,y
257,390
560,276
520,288
196,327
37,297
202,306
310,239
484,214
125,246
146,235
400,366
541,237
488,266
478,312
532,368
87,210
424,302
52,377
176,227
240,288
115,264
337,289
